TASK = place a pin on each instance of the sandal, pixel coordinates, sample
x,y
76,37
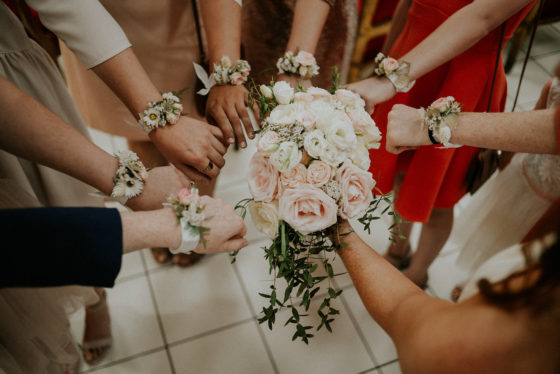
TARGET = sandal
x,y
95,348
401,262
161,255
457,291
184,260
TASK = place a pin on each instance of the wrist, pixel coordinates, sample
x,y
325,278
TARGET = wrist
x,y
172,228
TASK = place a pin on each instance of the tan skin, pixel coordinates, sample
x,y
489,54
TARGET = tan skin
x,y
436,336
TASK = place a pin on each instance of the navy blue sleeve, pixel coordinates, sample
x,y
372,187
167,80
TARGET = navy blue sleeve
x,y
44,247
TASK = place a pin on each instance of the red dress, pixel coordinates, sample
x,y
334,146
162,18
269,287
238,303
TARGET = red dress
x,y
434,177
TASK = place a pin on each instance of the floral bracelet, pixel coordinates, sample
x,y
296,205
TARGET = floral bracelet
x,y
161,113
396,72
302,64
190,215
129,178
225,73
441,119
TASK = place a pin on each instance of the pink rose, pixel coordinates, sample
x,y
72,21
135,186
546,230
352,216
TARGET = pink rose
x,y
319,173
318,92
268,141
307,209
185,196
356,186
237,79
390,65
263,178
440,104
361,120
245,71
304,97
294,177
305,58
349,98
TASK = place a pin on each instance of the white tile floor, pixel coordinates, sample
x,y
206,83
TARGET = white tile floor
x,y
203,319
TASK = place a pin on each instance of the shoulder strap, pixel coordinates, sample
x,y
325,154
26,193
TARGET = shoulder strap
x,y
498,55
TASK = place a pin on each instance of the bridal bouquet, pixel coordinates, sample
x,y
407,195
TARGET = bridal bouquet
x,y
311,167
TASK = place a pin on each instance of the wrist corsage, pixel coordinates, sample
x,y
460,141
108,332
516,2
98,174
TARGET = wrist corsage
x,y
302,64
161,113
441,119
129,178
225,73
396,72
190,214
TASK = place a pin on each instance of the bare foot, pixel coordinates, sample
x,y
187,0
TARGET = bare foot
x,y
97,331
184,260
161,255
399,255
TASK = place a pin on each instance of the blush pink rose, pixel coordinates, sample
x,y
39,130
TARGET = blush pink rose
x,y
390,65
305,58
185,196
361,120
268,141
304,97
319,173
263,178
356,186
237,79
307,118
307,209
318,92
441,103
294,177
349,98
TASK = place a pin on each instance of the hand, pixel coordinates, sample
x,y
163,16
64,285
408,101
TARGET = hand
x,y
373,90
404,129
227,107
161,182
295,81
194,147
226,227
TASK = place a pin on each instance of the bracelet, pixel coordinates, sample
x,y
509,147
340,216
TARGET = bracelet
x,y
441,119
224,74
302,64
396,72
161,113
190,215
129,178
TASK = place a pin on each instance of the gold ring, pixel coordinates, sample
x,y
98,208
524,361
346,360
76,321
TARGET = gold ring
x,y
210,166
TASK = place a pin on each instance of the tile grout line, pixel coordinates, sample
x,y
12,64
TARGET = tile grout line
x,y
210,332
358,329
379,367
158,316
254,315
122,360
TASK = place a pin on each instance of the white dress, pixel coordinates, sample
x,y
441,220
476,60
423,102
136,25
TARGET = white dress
x,y
34,329
503,211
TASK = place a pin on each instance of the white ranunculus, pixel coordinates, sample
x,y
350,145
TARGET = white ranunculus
x,y
266,91
285,114
265,217
333,156
315,143
338,130
360,157
286,156
283,92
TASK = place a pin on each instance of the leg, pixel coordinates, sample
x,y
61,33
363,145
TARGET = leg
x,y
434,234
398,253
97,332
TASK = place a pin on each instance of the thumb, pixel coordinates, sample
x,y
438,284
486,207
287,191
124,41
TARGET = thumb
x,y
234,244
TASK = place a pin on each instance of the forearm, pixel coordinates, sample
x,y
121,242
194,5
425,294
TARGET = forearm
x,y
397,25
222,23
152,229
309,18
30,130
458,33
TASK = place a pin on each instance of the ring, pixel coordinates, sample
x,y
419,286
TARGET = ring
x,y
210,166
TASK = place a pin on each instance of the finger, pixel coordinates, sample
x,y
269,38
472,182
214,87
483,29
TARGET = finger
x,y
218,146
237,127
217,132
223,123
185,182
210,169
192,173
369,108
216,158
257,113
244,115
234,244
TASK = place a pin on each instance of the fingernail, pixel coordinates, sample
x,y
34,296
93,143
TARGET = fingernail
x,y
243,144
231,140
251,135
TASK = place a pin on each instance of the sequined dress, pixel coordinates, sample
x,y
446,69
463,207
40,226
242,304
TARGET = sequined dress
x,y
503,211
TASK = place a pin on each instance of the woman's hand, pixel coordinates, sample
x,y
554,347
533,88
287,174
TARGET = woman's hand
x,y
404,129
373,90
227,229
227,107
161,182
193,146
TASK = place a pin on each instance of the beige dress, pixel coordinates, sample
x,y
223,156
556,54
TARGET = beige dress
x,y
163,36
266,30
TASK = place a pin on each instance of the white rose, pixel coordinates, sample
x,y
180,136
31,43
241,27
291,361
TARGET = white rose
x,y
286,156
333,156
315,143
307,118
264,217
361,120
283,92
349,98
319,92
225,62
338,130
266,91
360,157
285,114
371,138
